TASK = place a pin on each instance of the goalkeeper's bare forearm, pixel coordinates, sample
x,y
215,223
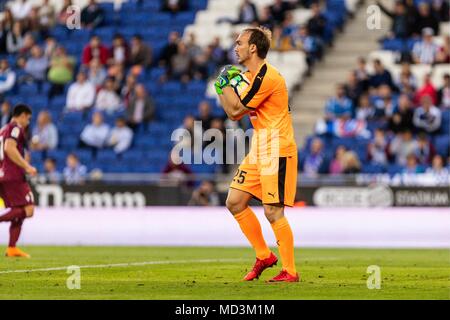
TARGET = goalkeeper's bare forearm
x,y
232,105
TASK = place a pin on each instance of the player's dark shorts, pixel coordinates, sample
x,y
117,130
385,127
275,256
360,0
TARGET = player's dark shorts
x,y
16,193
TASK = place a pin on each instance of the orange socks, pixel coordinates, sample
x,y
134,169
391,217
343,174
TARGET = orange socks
x,y
285,241
252,229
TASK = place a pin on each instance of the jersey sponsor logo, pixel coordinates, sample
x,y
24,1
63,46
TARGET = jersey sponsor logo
x,y
15,132
272,194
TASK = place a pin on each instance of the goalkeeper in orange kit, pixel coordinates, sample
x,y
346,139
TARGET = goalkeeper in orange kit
x,y
269,171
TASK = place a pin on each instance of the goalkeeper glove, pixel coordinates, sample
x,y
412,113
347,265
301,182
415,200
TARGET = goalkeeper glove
x,y
226,74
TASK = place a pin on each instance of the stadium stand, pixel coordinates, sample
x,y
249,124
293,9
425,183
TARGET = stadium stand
x,y
409,81
173,93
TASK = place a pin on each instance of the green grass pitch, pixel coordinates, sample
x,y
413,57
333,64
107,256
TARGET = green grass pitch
x,y
194,273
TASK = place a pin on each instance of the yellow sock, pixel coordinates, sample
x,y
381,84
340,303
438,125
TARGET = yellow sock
x,y
252,229
285,241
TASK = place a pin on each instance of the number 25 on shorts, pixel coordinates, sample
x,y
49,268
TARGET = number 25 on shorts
x,y
239,177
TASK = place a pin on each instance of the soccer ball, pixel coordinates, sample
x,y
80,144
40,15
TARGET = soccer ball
x,y
239,83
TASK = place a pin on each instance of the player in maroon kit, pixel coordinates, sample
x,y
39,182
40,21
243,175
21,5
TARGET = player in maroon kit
x,y
14,190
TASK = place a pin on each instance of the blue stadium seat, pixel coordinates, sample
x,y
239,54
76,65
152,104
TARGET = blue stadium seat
x,y
69,142
28,89
394,169
152,6
57,103
106,156
373,168
58,155
80,36
60,33
105,33
445,127
39,102
442,144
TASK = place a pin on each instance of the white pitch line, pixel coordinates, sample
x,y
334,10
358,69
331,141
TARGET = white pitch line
x,y
130,264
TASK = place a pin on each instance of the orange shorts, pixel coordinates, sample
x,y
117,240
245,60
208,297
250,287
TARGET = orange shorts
x,y
271,180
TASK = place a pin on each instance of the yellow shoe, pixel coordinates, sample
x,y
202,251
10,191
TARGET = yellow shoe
x,y
16,252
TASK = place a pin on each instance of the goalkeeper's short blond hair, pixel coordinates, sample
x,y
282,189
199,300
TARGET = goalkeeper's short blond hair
x,y
262,38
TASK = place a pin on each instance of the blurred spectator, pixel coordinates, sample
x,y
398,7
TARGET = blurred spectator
x,y
351,163
353,88
170,49
406,77
28,43
49,47
403,145
337,164
315,159
443,54
385,105
362,74
95,49
381,76
107,98
204,115
15,38
427,89
266,19
141,108
5,113
37,65
119,52
96,133
128,90
304,42
443,94
34,26
280,41
81,94
175,6
60,72
205,195
411,166
140,53
120,137
117,72
426,19
47,15
425,150
96,73
378,148
279,9
438,170
290,26
189,132
427,117
365,110
51,172
181,64
65,13
20,9
74,172
425,51
248,13
402,119
177,172
400,27
440,9
318,22
92,15
7,77
45,134
338,107
218,54
194,49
